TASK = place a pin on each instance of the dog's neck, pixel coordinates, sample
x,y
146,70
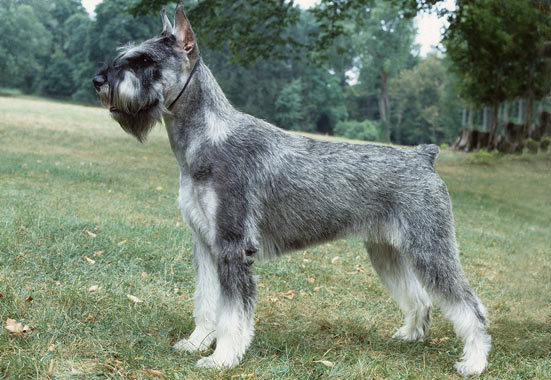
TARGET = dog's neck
x,y
199,116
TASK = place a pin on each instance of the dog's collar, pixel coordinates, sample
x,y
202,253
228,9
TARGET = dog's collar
x,y
187,82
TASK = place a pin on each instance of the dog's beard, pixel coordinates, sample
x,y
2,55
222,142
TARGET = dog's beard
x,y
136,116
139,123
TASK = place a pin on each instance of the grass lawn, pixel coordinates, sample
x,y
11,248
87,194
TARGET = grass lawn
x,y
67,169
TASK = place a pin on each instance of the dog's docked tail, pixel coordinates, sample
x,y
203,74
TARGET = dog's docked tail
x,y
428,150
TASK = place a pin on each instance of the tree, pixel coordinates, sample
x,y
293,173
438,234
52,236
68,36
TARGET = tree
x,y
426,107
383,42
493,46
24,43
250,30
289,108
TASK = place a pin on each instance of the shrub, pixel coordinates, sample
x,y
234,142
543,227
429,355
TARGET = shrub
x,y
532,146
544,144
444,146
367,130
483,157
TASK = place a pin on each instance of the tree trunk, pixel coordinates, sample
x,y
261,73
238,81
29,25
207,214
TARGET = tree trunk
x,y
464,117
383,105
529,113
471,111
519,115
494,127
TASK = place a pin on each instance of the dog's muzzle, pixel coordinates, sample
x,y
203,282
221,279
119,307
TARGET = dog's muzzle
x,y
99,80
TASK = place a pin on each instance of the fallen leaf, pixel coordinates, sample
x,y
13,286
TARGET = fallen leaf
x,y
51,347
93,288
335,259
90,234
152,372
310,280
97,228
134,299
289,295
276,324
159,188
51,368
317,288
29,299
1,295
98,253
144,275
90,318
89,260
16,328
326,363
121,243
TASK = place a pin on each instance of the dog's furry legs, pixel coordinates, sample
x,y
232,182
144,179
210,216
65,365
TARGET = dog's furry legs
x,y
207,291
236,304
399,278
440,271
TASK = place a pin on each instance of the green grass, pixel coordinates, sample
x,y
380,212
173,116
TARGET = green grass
x,y
66,169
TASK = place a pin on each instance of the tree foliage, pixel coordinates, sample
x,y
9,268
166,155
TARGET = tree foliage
x,y
344,67
494,46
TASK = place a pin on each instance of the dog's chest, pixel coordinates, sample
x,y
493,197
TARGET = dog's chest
x,y
198,203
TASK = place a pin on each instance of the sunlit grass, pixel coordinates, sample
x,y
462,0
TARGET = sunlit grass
x,y
66,169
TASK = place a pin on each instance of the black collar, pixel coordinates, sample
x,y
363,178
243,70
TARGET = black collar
x,y
187,82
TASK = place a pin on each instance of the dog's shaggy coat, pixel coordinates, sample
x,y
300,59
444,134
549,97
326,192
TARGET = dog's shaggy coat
x,y
249,190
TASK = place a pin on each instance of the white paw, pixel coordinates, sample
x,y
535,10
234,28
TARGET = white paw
x,y
217,363
199,340
185,345
470,367
409,334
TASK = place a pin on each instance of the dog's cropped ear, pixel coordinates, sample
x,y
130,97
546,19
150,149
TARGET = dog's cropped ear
x,y
167,26
184,34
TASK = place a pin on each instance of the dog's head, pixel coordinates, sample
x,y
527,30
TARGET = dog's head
x,y
143,80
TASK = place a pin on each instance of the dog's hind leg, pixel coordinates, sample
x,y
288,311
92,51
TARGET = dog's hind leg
x,y
236,304
207,290
400,279
441,272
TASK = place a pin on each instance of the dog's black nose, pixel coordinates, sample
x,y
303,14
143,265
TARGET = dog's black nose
x,y
98,81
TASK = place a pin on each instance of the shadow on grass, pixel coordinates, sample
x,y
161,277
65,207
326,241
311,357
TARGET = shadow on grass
x,y
529,339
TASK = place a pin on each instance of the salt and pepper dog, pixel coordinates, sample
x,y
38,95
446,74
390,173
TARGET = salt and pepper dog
x,y
249,190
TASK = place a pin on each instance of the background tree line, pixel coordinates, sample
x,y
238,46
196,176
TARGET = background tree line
x,y
345,67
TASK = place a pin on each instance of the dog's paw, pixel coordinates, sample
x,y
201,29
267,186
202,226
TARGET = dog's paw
x,y
470,367
186,346
409,334
216,363
199,340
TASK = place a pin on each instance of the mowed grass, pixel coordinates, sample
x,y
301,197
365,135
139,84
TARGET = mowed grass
x,y
67,169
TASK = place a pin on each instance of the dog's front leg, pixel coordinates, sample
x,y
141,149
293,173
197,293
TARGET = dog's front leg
x,y
207,290
236,304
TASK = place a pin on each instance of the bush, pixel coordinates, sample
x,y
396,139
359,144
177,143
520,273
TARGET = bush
x,y
444,146
483,157
544,144
532,146
367,130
